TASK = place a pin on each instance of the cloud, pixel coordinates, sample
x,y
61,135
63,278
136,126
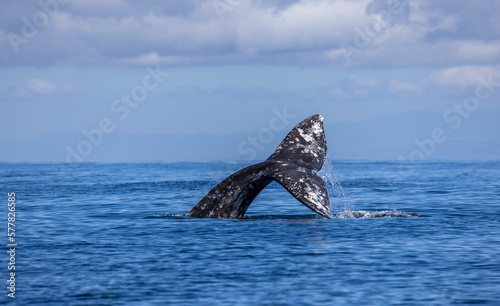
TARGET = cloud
x,y
458,81
40,87
336,94
404,87
461,76
305,33
354,86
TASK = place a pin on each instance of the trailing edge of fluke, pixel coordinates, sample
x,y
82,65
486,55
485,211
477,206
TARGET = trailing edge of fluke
x,y
294,165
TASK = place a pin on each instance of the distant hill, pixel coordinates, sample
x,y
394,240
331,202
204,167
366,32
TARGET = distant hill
x,y
382,138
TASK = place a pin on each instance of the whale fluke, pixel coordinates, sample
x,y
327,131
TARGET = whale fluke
x,y
293,165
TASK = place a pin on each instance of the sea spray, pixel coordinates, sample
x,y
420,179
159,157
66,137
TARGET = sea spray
x,y
339,199
340,206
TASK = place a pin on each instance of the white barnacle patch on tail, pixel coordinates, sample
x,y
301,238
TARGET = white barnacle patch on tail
x,y
316,128
313,194
307,137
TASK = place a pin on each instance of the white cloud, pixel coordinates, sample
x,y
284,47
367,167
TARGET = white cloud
x,y
461,76
404,87
440,83
363,81
337,94
472,50
306,32
40,87
354,86
152,59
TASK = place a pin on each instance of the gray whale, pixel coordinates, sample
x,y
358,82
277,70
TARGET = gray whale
x,y
294,165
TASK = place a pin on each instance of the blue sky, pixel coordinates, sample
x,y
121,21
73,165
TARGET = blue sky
x,y
231,62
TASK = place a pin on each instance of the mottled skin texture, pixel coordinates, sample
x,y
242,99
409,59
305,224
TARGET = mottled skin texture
x,y
294,165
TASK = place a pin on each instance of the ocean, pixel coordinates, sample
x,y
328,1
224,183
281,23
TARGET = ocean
x,y
117,234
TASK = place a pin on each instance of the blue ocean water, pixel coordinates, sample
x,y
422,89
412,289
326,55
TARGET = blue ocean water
x,y
91,234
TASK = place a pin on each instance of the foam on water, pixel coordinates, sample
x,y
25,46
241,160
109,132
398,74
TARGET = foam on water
x,y
166,216
374,214
350,214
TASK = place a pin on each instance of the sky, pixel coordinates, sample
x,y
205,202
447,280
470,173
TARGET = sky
x,y
227,66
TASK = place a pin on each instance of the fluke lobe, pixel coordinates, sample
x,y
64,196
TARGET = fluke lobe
x,y
294,165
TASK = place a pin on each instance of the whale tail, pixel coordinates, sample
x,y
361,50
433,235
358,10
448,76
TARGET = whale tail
x,y
293,165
